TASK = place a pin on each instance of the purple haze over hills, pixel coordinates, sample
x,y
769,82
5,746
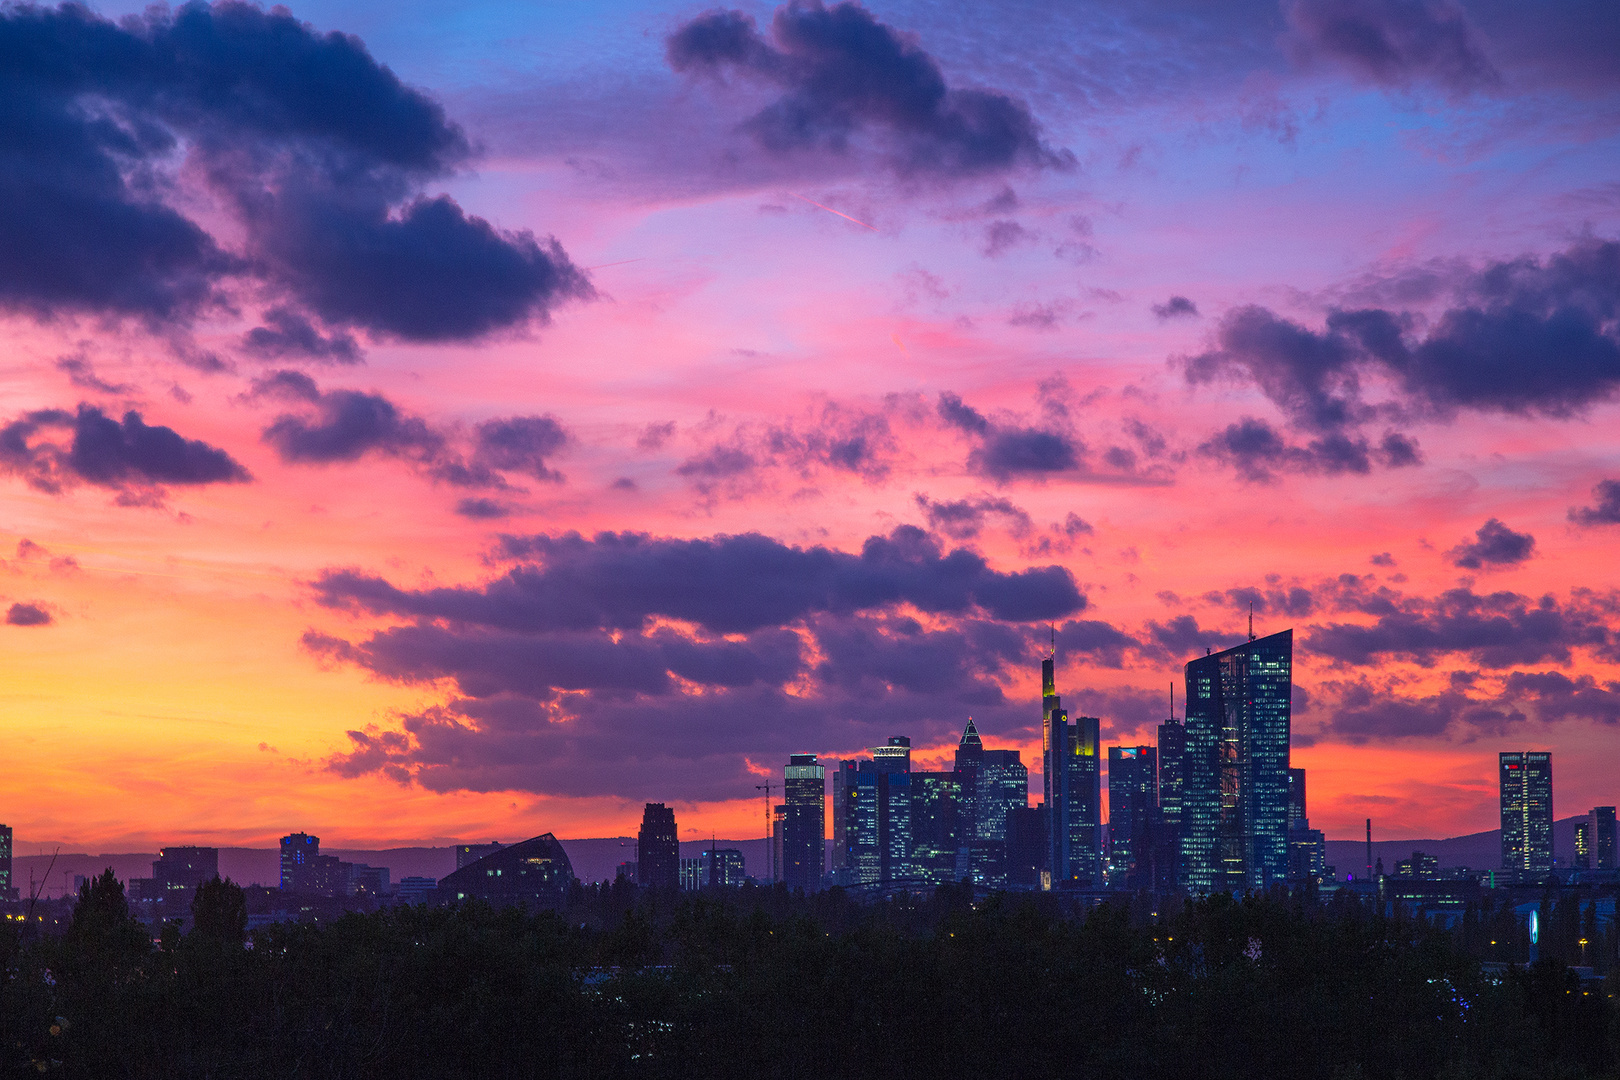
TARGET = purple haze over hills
x,y
596,859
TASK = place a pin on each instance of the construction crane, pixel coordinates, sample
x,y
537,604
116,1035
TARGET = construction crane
x,y
770,851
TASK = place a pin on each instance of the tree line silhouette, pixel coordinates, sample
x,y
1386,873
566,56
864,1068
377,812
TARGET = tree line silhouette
x,y
761,982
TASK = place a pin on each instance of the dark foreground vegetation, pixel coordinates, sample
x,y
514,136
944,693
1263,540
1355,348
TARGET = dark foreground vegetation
x,y
759,983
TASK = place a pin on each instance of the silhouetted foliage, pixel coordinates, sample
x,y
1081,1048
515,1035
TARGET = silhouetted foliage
x,y
219,911
762,982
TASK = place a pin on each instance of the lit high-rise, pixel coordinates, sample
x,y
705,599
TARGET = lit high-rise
x,y
1133,811
298,866
804,823
1603,837
1072,785
1527,810
1172,782
1234,808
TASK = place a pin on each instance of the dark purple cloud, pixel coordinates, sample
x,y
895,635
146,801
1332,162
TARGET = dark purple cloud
x,y
318,150
108,452
522,444
1494,545
1182,638
847,79
1021,451
1496,630
347,424
873,675
1556,696
964,417
1470,708
482,508
1295,601
484,663
1366,713
1177,307
1607,510
21,614
1529,337
963,519
727,584
1394,43
834,435
288,333
1006,452
81,374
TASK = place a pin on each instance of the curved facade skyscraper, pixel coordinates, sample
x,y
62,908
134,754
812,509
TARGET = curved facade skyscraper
x,y
1234,804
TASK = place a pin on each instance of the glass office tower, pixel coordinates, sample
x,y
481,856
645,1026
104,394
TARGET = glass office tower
x,y
804,824
1003,787
1172,776
937,824
969,766
863,864
1133,811
1072,784
1603,836
1234,808
1527,810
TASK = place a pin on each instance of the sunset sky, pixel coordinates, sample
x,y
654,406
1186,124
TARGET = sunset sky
x,y
431,421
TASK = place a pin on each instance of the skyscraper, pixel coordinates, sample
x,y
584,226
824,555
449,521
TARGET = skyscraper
x,y
1296,796
843,779
804,825
863,863
969,766
1583,844
1003,787
1527,810
5,863
1133,811
877,798
1027,849
1072,785
179,870
1603,837
1234,808
298,866
892,764
1172,782
1307,847
937,825
658,852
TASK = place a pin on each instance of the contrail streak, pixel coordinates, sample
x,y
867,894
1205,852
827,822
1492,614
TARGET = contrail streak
x,y
830,210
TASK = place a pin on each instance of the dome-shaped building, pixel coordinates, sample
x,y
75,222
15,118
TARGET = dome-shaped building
x,y
534,873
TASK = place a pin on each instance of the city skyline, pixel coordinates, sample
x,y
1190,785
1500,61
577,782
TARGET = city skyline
x,y
456,424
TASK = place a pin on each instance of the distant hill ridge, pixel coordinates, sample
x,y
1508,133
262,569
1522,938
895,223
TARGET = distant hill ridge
x,y
597,858
594,859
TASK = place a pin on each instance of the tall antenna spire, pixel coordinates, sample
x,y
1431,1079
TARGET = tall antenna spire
x,y
1053,628
1251,620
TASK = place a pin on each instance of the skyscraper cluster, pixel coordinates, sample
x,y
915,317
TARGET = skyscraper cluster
x,y
893,824
1526,788
1214,806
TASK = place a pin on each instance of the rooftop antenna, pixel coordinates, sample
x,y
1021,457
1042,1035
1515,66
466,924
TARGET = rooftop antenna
x,y
1053,628
1251,620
